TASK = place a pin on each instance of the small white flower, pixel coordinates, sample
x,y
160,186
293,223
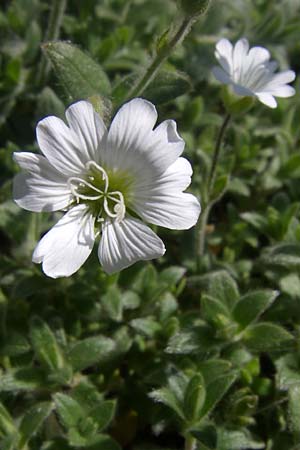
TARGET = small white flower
x,y
251,73
104,180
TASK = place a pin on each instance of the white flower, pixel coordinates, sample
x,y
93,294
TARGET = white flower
x,y
251,73
105,180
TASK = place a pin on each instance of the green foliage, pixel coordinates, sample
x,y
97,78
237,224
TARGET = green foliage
x,y
178,352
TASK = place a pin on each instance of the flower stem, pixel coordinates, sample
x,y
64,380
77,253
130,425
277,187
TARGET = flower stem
x,y
208,202
161,57
216,155
52,33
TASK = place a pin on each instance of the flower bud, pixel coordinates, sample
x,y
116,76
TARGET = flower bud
x,y
194,7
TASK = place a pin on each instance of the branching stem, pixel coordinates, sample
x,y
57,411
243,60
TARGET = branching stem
x,y
55,20
208,202
161,57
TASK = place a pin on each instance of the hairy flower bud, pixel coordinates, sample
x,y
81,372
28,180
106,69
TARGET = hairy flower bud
x,y
194,7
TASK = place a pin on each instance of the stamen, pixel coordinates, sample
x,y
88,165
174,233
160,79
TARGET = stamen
x,y
83,183
93,164
112,204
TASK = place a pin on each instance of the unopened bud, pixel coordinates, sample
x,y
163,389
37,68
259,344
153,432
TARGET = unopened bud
x,y
194,7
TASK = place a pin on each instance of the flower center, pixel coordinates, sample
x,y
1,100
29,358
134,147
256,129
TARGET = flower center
x,y
94,189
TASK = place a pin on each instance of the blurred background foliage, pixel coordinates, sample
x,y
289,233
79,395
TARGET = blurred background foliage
x,y
169,354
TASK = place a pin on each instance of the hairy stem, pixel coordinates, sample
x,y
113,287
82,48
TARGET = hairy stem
x,y
55,20
161,57
216,155
201,228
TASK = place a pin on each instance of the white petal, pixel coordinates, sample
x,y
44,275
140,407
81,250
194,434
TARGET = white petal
x,y
41,187
223,54
89,128
133,145
67,245
283,91
280,79
60,145
126,242
239,60
164,146
160,200
133,121
221,75
267,99
176,178
224,48
240,51
259,55
175,211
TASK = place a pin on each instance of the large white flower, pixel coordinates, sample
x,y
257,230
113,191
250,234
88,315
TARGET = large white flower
x,y
251,73
105,180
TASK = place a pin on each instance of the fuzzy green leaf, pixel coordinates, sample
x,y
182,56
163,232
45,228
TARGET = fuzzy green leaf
x,y
33,420
90,351
294,410
168,398
221,286
215,391
112,303
68,410
103,414
6,422
167,86
194,397
78,74
266,336
252,305
45,346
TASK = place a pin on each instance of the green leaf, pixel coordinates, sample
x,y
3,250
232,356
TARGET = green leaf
x,y
213,368
252,305
167,86
172,275
212,308
237,440
221,286
26,379
130,300
10,442
168,398
207,436
283,255
194,397
15,344
112,303
6,423
258,221
90,351
215,391
103,442
288,371
68,410
33,420
220,187
49,104
290,284
78,74
267,336
44,344
294,410
193,340
103,414
147,326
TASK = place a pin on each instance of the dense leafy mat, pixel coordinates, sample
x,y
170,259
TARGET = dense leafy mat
x,y
184,351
